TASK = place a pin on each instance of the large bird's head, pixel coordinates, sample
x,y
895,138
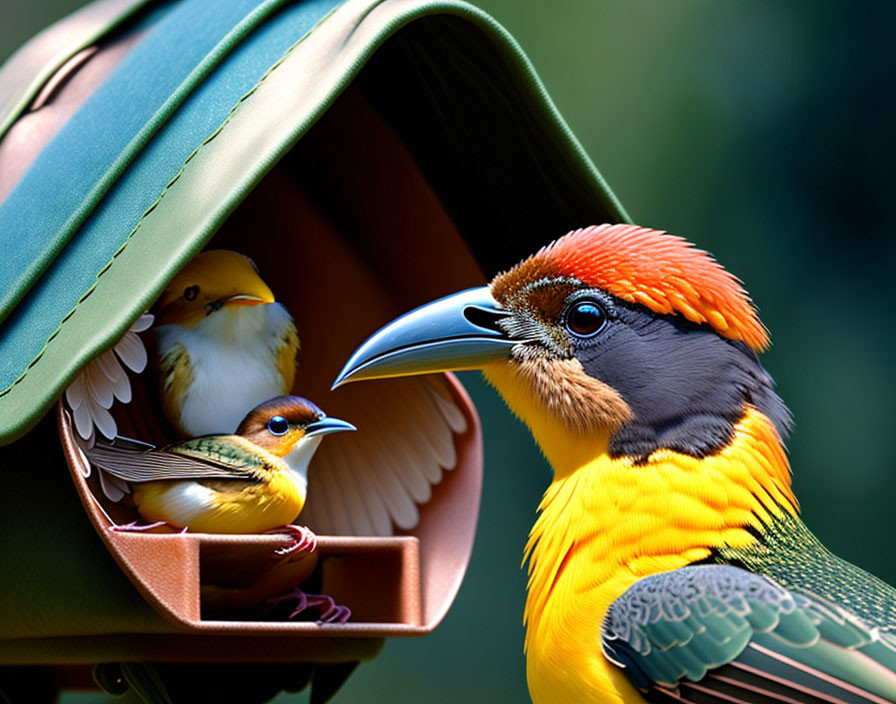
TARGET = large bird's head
x,y
213,281
616,338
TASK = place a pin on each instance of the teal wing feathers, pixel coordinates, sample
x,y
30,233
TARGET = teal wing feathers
x,y
716,633
201,458
793,557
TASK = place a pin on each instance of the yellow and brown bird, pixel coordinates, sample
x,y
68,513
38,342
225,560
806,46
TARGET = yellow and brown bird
x,y
254,481
224,344
669,562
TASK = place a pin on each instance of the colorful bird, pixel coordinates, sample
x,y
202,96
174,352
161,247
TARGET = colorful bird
x,y
668,561
252,482
223,344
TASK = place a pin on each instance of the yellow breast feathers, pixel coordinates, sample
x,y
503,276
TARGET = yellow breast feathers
x,y
612,522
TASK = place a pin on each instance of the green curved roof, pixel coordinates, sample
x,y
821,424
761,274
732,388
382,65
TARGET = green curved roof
x,y
143,174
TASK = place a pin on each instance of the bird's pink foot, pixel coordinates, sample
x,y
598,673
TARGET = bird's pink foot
x,y
303,540
134,527
330,611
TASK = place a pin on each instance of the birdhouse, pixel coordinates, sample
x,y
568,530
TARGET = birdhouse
x,y
368,157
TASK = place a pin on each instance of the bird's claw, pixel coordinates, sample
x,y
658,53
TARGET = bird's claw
x,y
334,613
134,527
304,540
331,612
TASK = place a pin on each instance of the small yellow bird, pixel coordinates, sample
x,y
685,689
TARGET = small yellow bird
x,y
224,344
252,482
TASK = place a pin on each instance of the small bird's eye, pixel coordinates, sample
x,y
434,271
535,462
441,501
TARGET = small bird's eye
x,y
585,319
278,425
190,292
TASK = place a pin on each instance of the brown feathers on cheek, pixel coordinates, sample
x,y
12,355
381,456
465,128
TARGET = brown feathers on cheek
x,y
259,435
578,401
278,445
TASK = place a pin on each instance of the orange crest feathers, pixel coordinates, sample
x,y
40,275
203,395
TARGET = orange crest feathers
x,y
662,272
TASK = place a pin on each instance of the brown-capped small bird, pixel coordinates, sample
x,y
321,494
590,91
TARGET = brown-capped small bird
x,y
254,481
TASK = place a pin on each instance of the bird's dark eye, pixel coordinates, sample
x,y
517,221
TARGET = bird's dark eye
x,y
278,425
585,318
190,292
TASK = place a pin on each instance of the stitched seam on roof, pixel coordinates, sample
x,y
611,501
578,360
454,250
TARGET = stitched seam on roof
x,y
158,200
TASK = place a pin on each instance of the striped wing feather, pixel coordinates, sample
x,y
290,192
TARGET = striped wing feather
x,y
373,481
135,461
711,634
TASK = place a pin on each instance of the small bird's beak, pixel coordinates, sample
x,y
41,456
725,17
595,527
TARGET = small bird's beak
x,y
453,333
325,426
249,290
248,299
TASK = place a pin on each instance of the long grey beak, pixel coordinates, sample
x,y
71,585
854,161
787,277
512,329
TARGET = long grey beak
x,y
450,334
326,425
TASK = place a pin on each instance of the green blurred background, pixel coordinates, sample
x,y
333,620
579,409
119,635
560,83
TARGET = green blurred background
x,y
762,131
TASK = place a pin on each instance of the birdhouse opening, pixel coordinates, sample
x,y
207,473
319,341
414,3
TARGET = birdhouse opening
x,y
340,229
